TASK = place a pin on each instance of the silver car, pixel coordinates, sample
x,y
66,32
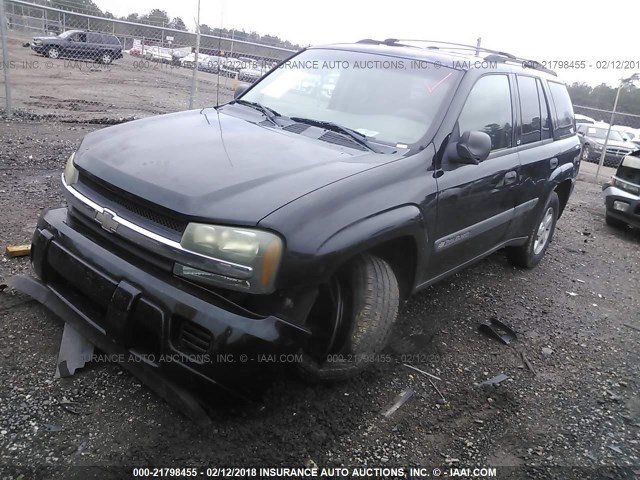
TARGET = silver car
x,y
592,138
622,194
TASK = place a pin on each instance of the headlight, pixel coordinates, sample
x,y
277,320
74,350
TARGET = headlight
x,y
70,171
248,259
597,146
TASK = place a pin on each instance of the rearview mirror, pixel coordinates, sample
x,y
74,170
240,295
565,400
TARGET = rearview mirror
x,y
472,148
240,89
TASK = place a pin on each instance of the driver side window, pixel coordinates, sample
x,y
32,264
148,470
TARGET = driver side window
x,y
488,109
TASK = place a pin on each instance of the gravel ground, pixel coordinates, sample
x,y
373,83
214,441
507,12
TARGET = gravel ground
x,y
79,90
578,408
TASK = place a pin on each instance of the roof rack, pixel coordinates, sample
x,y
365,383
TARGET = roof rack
x,y
494,55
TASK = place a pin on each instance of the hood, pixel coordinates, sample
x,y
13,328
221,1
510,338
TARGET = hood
x,y
47,39
617,143
216,167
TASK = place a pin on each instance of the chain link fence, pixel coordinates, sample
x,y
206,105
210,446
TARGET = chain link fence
x,y
72,64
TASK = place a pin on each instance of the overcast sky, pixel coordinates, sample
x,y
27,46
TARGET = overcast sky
x,y
543,30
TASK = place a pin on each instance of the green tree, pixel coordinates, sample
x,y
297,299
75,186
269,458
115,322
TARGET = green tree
x,y
80,6
156,17
177,24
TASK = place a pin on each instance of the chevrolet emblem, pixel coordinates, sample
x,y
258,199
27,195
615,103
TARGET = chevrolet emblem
x,y
107,221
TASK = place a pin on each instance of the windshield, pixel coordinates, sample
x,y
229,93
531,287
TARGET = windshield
x,y
66,34
601,133
389,99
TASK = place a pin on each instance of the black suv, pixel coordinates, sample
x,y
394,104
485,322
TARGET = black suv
x,y
298,216
78,44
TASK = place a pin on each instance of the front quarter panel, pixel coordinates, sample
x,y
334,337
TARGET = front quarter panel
x,y
327,227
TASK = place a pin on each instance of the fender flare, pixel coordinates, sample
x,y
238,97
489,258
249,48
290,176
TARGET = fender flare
x,y
375,230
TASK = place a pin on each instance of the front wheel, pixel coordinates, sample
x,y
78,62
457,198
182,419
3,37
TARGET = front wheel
x,y
53,52
530,254
351,321
587,153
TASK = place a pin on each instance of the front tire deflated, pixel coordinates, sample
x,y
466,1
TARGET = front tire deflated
x,y
368,296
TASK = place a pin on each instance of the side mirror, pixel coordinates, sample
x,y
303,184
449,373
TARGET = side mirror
x,y
472,148
240,89
581,133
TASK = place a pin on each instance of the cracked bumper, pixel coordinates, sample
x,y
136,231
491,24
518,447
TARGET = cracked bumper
x,y
125,306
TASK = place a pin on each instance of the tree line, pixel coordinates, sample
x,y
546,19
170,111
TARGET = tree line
x,y
603,96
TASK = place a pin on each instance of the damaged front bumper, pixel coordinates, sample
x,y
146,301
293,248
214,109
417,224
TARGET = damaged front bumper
x,y
128,307
622,205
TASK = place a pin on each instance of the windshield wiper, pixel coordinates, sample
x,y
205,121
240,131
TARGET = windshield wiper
x,y
359,138
266,111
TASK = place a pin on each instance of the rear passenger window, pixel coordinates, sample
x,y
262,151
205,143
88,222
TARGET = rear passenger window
x,y
488,109
530,109
544,109
563,109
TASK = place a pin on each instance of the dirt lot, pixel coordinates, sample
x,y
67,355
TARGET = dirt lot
x,y
130,87
579,409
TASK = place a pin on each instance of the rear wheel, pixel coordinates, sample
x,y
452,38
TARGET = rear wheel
x,y
53,52
351,321
530,254
614,222
106,58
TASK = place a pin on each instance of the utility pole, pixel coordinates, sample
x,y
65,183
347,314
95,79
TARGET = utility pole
x,y
5,59
195,67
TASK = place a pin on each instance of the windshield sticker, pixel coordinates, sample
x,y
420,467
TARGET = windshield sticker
x,y
591,130
368,133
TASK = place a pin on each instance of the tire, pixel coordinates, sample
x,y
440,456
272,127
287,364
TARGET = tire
x,y
53,52
105,58
587,153
371,296
614,222
530,254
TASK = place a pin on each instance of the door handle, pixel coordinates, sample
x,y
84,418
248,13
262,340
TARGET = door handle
x,y
553,162
510,177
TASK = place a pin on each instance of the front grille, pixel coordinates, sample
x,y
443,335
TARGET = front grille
x,y
162,220
194,338
620,152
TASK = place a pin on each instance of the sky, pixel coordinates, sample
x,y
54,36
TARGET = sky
x,y
545,30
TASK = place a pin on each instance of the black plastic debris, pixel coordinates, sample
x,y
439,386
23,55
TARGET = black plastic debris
x,y
499,331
